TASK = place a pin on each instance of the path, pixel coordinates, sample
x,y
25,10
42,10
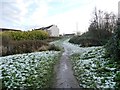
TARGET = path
x,y
64,73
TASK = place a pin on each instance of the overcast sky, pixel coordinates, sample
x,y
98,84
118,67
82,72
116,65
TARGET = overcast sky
x,y
66,14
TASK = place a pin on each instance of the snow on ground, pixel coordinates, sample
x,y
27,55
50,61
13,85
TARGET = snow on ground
x,y
90,66
93,70
30,69
74,48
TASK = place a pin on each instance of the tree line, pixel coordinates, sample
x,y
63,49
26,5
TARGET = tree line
x,y
104,29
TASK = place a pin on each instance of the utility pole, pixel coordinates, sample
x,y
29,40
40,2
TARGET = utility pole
x,y
77,32
76,26
77,29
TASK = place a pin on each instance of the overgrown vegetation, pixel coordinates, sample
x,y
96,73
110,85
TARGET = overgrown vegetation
x,y
94,70
31,71
26,35
100,30
15,42
113,51
26,46
113,46
51,39
28,70
103,30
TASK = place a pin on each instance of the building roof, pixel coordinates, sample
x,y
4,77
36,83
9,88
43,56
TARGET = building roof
x,y
7,29
44,28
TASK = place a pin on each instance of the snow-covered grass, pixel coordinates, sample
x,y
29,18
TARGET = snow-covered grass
x,y
91,67
59,42
93,70
31,70
74,48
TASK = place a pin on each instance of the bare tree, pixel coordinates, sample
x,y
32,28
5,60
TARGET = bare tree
x,y
102,25
103,21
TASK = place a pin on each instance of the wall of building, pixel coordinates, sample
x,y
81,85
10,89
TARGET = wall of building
x,y
119,9
54,31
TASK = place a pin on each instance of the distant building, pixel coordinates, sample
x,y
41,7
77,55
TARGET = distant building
x,y
69,35
52,30
6,29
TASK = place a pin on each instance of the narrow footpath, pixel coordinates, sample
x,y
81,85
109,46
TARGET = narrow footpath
x,y
64,77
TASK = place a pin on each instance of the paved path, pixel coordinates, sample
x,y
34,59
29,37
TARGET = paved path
x,y
64,74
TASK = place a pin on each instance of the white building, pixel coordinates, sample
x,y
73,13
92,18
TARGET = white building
x,y
53,30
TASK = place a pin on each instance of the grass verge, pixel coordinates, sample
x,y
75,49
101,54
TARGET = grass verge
x,y
93,70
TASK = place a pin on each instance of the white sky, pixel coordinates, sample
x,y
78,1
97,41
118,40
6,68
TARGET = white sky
x,y
30,14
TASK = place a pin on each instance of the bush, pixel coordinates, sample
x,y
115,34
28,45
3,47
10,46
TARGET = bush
x,y
28,35
53,47
113,51
27,46
85,42
96,38
5,43
100,29
117,79
50,39
75,40
113,46
14,42
24,42
37,35
24,46
5,39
